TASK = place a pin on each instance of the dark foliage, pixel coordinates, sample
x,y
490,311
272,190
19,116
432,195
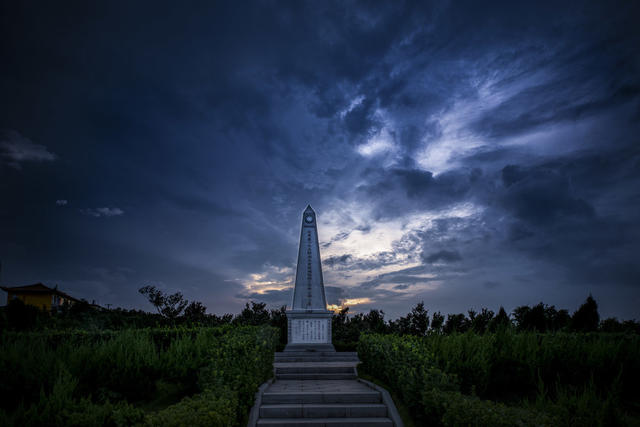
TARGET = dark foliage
x,y
168,305
20,316
437,322
256,314
586,318
415,323
540,318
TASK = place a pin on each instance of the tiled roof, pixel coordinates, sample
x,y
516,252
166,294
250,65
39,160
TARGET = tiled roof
x,y
36,288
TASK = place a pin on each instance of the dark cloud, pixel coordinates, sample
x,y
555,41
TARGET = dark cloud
x,y
506,133
398,190
542,195
442,256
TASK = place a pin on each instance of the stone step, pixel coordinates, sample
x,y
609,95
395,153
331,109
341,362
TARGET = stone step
x,y
309,347
321,359
326,422
317,353
324,410
274,398
317,376
319,369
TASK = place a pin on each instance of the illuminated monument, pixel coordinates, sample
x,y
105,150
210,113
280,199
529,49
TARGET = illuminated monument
x,y
309,321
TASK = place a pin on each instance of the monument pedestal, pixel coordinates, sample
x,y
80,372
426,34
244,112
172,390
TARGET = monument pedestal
x,y
309,330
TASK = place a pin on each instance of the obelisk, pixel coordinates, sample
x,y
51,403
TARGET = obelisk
x,y
308,320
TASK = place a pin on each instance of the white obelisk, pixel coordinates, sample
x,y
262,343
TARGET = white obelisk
x,y
309,321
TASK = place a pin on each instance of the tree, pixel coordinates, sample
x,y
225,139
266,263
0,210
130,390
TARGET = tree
x,y
456,323
559,319
419,320
195,312
437,321
531,318
480,322
255,315
586,318
401,326
169,306
500,321
611,324
21,316
519,315
374,322
279,320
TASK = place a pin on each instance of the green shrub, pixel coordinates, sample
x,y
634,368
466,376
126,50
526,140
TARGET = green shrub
x,y
205,409
73,379
443,380
509,366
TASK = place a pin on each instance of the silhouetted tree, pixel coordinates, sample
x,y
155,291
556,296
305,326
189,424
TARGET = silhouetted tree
x,y
456,323
559,319
21,316
195,312
531,318
586,318
419,318
631,326
374,322
437,322
279,320
611,324
339,323
501,320
480,322
519,315
255,315
169,306
401,326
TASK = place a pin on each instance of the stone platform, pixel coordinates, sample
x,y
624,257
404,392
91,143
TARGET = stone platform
x,y
321,388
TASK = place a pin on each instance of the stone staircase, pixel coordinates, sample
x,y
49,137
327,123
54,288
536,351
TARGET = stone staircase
x,y
319,388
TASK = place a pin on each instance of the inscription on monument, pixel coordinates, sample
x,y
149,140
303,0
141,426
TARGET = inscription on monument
x,y
309,330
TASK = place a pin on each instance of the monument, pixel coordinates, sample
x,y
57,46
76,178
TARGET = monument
x,y
308,320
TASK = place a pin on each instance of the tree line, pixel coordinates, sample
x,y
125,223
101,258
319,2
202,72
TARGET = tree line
x,y
175,310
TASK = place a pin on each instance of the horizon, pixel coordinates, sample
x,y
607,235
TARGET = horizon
x,y
463,155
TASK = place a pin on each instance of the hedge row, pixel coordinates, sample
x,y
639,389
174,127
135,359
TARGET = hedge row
x,y
507,364
433,397
77,382
161,336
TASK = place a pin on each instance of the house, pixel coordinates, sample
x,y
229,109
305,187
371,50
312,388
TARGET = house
x,y
39,295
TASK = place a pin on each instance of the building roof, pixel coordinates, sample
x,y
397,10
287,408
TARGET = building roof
x,y
37,288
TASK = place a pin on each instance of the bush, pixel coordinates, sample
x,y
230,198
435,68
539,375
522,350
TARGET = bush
x,y
552,379
510,366
73,381
205,409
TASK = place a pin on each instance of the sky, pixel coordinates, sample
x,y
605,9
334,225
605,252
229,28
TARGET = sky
x,y
464,154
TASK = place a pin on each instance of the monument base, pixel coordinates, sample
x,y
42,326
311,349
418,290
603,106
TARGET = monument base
x,y
324,348
309,330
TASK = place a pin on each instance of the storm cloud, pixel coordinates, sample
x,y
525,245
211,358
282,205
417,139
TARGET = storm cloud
x,y
463,154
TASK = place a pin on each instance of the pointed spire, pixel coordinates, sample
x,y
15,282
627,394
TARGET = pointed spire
x,y
308,293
